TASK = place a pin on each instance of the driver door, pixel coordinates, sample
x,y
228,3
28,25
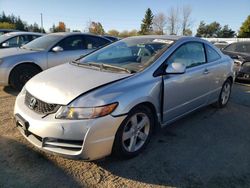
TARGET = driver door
x,y
186,92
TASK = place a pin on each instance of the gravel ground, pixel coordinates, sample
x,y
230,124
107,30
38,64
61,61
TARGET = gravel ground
x,y
209,148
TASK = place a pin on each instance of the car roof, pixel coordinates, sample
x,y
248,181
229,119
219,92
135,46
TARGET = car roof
x,y
169,37
241,42
77,33
22,33
71,33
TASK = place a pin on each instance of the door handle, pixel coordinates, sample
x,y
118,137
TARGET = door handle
x,y
206,71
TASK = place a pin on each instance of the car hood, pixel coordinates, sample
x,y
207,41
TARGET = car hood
x,y
62,84
6,52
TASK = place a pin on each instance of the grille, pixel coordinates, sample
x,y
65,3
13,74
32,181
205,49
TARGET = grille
x,y
40,106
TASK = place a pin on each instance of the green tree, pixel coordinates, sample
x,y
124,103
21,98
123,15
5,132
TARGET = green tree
x,y
245,28
147,22
6,25
96,28
226,32
208,30
201,31
20,25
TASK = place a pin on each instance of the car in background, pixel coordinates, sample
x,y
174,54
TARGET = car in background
x,y
17,39
3,31
220,44
18,65
240,53
111,100
112,38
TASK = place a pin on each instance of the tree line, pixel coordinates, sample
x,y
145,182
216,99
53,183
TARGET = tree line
x,y
177,21
14,22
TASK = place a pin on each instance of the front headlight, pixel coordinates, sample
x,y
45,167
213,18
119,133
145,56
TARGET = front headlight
x,y
75,113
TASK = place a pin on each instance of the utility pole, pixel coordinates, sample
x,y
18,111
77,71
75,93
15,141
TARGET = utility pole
x,y
41,22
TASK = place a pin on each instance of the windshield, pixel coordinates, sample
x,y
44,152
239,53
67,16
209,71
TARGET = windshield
x,y
4,37
43,43
130,55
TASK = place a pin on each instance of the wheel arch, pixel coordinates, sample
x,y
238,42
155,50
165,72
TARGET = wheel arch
x,y
230,78
152,109
21,64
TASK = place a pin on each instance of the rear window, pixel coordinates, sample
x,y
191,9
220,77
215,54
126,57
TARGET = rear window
x,y
212,55
92,42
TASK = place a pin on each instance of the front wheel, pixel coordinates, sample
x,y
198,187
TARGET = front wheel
x,y
224,94
21,74
134,133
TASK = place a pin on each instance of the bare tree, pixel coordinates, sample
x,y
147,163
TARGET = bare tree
x,y
186,19
173,20
159,23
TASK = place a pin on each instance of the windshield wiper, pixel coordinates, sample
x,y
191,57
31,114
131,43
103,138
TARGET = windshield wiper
x,y
101,66
115,67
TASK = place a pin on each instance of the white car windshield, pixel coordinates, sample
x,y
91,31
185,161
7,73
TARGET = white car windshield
x,y
130,55
42,43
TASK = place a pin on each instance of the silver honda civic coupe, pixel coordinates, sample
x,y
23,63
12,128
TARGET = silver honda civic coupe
x,y
111,100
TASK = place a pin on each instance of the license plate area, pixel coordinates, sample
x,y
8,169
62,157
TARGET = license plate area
x,y
23,124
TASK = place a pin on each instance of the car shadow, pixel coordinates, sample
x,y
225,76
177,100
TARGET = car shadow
x,y
10,90
209,148
23,167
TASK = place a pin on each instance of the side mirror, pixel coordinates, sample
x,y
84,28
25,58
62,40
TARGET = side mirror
x,y
5,44
57,49
176,68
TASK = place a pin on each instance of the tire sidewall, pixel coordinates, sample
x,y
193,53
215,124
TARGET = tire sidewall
x,y
220,97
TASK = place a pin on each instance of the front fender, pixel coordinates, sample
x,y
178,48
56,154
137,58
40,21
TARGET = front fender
x,y
128,93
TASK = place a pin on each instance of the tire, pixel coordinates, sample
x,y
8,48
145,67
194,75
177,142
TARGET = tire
x,y
224,94
134,133
21,74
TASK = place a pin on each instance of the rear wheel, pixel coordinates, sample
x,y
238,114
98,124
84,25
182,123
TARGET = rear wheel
x,y
21,74
224,94
134,133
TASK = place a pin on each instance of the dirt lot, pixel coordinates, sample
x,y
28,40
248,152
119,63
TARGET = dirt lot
x,y
210,148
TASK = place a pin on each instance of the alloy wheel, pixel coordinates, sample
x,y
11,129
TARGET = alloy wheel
x,y
135,132
225,93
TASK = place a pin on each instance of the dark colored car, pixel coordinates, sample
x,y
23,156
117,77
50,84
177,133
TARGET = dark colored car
x,y
17,39
240,53
3,31
220,44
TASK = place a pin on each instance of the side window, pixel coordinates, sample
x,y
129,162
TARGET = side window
x,y
13,42
71,43
23,40
212,55
231,47
92,42
190,54
243,47
32,37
